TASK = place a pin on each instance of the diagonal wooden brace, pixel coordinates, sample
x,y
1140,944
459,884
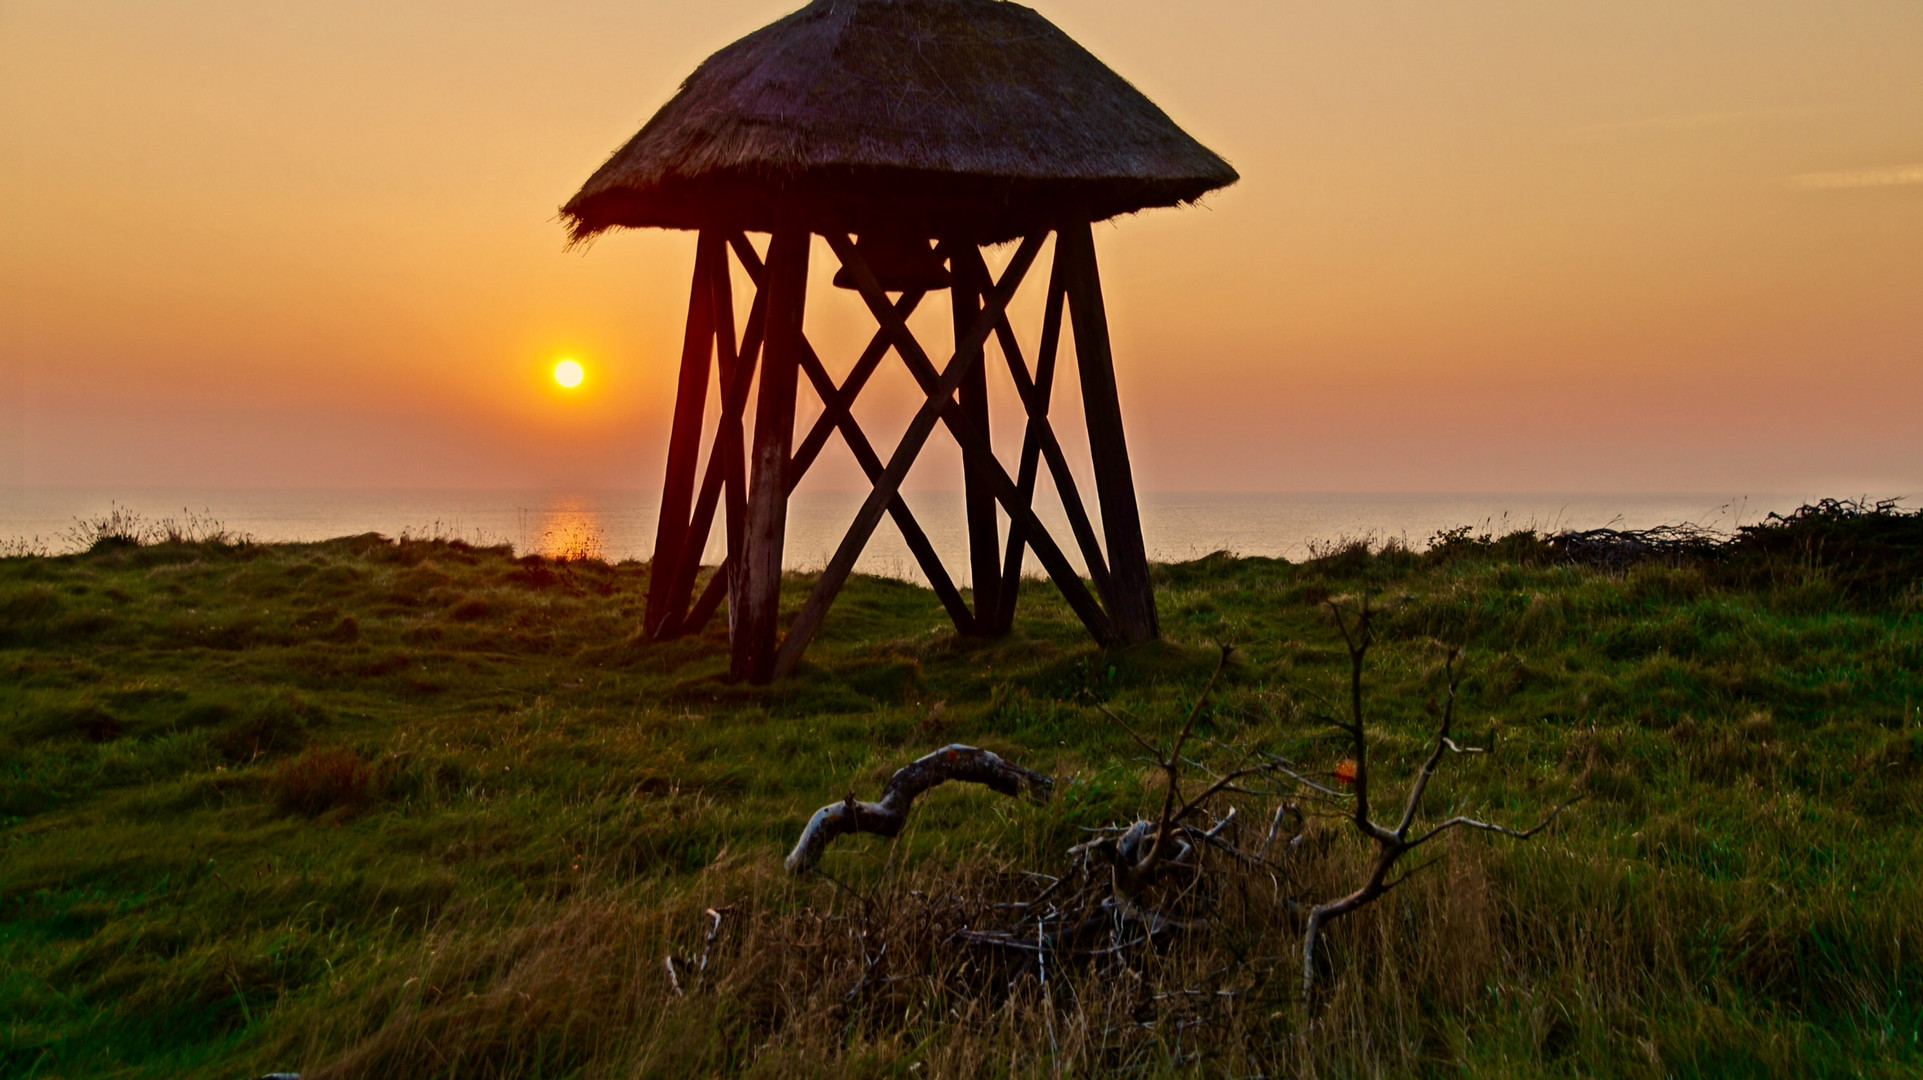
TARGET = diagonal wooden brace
x,y
870,462
940,406
1022,521
969,280
837,401
684,441
974,441
710,599
836,405
968,353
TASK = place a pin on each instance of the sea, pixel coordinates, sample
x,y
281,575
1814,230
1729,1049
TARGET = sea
x,y
619,525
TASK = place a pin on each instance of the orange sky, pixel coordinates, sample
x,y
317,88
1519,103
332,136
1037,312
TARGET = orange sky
x,y
1479,246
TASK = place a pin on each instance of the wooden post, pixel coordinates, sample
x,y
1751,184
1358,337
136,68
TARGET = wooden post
x,y
733,390
984,532
1131,602
684,442
757,628
734,462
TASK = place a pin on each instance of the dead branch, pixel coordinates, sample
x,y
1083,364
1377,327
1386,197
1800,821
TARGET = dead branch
x,y
1392,843
1504,830
1147,850
999,940
1173,765
1223,838
1112,899
885,818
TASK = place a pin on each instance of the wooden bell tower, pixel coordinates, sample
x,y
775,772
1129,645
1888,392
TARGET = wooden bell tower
x,y
927,129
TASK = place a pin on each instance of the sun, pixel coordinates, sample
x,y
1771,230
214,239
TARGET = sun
x,y
568,373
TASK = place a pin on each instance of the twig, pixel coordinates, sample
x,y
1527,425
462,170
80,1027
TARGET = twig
x,y
1275,825
1003,941
1504,830
867,970
1149,863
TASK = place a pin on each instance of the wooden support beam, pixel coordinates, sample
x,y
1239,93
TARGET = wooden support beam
x,y
1035,391
684,440
1017,544
1078,519
1132,597
970,280
745,251
724,453
974,443
870,462
734,463
735,469
757,628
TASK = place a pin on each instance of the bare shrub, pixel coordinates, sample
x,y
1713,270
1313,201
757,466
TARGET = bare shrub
x,y
1391,842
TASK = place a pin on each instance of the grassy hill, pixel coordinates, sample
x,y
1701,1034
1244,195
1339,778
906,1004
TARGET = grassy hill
x,y
377,808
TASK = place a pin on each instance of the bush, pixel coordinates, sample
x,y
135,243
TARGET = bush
x,y
1867,551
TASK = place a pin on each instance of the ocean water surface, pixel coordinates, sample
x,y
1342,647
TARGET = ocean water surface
x,y
620,525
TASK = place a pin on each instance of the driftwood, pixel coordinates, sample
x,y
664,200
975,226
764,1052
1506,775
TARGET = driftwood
x,y
885,818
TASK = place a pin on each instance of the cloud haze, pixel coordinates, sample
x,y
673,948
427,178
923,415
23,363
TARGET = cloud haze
x,y
1861,178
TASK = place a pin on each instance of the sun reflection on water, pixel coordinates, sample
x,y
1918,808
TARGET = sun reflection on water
x,y
570,530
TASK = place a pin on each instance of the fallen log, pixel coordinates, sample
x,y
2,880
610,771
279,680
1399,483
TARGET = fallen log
x,y
885,818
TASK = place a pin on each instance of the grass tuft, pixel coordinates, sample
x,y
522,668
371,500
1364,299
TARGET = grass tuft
x,y
322,779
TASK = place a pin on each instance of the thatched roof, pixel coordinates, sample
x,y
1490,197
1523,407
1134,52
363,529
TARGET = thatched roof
x,y
971,119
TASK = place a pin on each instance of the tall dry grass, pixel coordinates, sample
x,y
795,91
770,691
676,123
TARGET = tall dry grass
x,y
816,978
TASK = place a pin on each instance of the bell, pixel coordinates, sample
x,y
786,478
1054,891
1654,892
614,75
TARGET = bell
x,y
902,263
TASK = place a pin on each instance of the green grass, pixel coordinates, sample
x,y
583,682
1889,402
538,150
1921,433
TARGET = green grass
x,y
329,806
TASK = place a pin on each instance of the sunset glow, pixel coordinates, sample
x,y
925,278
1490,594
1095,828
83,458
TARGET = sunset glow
x,y
1480,246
